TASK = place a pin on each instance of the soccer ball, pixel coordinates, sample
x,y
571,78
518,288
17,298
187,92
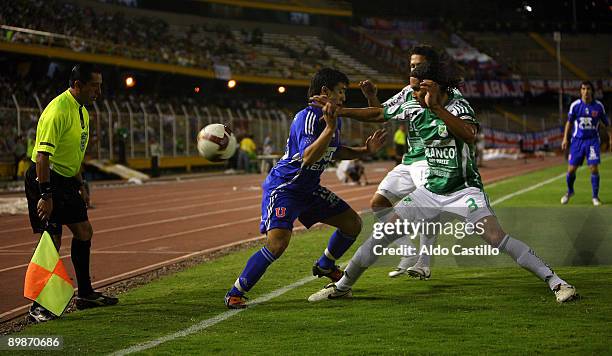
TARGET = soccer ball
x,y
216,142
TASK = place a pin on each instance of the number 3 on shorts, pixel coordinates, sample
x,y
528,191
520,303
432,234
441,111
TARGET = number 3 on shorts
x,y
471,204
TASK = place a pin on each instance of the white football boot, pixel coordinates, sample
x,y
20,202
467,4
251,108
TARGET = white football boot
x,y
565,199
420,272
398,271
565,292
402,267
329,292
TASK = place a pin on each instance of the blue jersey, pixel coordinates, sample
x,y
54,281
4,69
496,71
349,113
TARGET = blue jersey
x,y
585,119
288,173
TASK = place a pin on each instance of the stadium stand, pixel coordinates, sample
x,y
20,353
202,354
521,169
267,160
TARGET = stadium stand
x,y
592,53
520,51
201,46
392,40
504,63
327,7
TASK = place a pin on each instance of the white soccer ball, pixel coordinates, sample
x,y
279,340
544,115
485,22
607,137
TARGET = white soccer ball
x,y
216,142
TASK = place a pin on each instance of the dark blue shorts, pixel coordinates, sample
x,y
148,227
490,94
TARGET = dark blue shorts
x,y
579,149
280,208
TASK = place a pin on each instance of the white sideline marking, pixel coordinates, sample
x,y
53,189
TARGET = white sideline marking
x,y
211,321
115,278
536,186
135,272
228,314
528,189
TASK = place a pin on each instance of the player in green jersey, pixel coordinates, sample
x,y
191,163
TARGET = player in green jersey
x,y
411,173
453,185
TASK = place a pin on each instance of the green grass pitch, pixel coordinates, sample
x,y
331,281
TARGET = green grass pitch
x,y
470,305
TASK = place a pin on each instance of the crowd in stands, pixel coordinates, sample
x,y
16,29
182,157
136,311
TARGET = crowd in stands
x,y
25,89
398,34
391,41
477,65
13,84
153,39
70,19
130,3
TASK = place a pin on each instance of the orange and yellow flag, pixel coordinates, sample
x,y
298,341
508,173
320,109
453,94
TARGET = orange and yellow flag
x,y
46,280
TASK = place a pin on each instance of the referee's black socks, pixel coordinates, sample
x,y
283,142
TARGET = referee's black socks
x,y
80,251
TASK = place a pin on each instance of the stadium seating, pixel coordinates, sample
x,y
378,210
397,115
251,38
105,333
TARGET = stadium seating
x,y
153,39
265,50
528,58
590,52
392,43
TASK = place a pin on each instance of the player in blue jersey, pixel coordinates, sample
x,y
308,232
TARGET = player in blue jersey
x,y
292,190
584,118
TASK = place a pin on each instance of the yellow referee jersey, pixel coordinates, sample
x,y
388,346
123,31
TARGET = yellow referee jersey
x,y
400,137
63,132
248,145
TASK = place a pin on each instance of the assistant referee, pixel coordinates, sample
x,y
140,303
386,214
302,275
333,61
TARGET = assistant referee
x,y
54,186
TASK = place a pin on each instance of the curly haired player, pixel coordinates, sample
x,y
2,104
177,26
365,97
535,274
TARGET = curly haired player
x,y
448,129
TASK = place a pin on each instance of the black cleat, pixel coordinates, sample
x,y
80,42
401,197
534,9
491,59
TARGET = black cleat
x,y
95,299
334,273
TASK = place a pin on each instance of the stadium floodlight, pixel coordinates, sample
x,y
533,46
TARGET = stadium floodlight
x,y
281,89
528,8
130,82
196,90
231,83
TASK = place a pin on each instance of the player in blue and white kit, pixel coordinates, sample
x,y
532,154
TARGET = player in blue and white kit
x,y
292,190
584,118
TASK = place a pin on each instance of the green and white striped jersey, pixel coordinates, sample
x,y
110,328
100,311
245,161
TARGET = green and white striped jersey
x,y
402,107
451,161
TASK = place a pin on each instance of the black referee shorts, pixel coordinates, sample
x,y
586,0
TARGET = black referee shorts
x,y
68,205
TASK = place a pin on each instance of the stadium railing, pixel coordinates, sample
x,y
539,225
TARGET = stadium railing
x,y
116,126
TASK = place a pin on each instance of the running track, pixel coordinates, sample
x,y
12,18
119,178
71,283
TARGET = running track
x,y
140,228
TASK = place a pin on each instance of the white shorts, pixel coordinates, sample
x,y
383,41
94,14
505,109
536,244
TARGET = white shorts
x,y
472,204
403,180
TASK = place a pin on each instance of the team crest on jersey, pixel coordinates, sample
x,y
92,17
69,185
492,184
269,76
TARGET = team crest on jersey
x,y
442,131
280,212
595,113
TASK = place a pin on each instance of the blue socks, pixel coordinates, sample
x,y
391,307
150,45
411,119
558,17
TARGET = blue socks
x,y
571,178
258,263
337,246
595,185
255,268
